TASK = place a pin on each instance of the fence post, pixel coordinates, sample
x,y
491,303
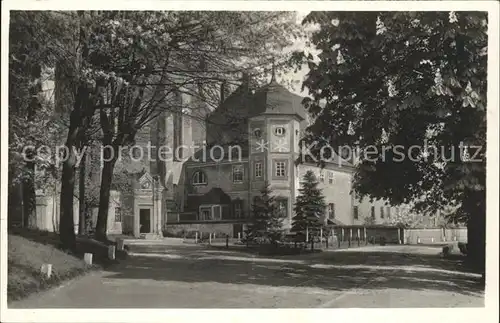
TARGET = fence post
x,y
210,238
87,257
227,241
366,238
111,252
196,237
46,270
120,244
321,237
239,235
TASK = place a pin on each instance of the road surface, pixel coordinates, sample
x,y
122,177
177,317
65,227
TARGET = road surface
x,y
197,277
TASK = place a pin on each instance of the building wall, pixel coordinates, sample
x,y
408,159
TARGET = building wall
x,y
337,192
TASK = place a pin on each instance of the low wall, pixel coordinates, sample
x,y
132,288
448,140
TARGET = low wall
x,y
372,234
434,235
218,228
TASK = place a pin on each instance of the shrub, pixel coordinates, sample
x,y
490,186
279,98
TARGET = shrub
x,y
445,251
463,247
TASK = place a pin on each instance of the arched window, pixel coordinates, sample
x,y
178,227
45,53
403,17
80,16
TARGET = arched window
x,y
199,178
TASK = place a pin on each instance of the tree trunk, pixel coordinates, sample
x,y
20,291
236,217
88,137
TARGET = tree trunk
x,y
81,192
66,222
29,197
104,195
476,234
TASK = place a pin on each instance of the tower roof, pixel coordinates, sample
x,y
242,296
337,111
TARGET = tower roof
x,y
275,99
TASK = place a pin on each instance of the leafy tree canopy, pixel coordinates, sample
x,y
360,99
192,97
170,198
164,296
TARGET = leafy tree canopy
x,y
403,79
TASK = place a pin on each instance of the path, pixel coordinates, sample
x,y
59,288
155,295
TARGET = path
x,y
190,276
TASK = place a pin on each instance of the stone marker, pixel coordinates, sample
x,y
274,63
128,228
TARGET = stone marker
x,y
432,240
111,252
418,240
46,270
120,244
87,257
239,235
196,237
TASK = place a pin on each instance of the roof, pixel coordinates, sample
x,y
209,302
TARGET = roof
x,y
276,99
272,99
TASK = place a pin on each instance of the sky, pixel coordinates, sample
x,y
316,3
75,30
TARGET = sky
x,y
298,77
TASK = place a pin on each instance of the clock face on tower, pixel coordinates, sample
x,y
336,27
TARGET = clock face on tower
x,y
146,185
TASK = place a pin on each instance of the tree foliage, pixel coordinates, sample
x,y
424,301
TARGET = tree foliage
x,y
403,79
267,219
309,208
115,71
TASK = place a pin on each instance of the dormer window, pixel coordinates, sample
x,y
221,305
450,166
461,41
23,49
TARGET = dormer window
x,y
279,131
146,185
199,178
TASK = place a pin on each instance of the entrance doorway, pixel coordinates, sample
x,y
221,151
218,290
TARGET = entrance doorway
x,y
145,220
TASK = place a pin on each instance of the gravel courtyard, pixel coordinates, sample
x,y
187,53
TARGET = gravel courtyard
x,y
197,277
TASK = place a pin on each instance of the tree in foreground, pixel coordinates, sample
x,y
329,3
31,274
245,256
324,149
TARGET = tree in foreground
x,y
399,80
309,208
267,220
117,71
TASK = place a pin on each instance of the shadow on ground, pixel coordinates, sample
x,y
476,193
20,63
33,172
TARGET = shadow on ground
x,y
335,271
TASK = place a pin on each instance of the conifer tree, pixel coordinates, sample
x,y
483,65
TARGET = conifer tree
x,y
267,219
309,208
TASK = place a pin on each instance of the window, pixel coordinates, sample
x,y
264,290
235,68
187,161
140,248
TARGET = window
x,y
199,178
282,207
238,209
355,212
331,211
237,174
216,212
258,169
321,177
118,214
373,212
279,131
330,177
280,169
381,212
205,214
210,212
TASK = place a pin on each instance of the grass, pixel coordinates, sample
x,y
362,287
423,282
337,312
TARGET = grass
x,y
28,249
25,258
